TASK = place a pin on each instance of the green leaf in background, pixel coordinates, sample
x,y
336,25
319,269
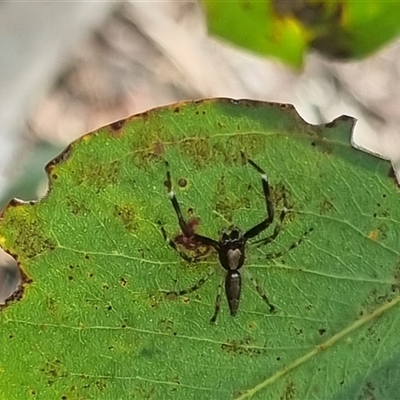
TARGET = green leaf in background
x,y
371,25
286,29
253,25
93,321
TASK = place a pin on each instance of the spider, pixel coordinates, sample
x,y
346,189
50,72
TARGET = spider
x,y
230,247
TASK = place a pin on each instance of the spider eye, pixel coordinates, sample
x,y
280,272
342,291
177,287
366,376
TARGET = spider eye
x,y
234,234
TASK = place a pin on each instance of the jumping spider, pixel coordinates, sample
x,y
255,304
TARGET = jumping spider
x,y
230,247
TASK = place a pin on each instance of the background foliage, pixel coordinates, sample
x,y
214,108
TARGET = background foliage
x,y
287,30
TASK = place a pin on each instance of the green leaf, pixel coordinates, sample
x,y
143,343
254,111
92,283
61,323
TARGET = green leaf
x,y
254,25
371,24
286,30
92,321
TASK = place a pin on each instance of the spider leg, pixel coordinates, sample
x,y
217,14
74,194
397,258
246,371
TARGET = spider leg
x,y
172,244
191,289
182,223
281,253
276,231
175,204
268,201
217,302
260,291
207,241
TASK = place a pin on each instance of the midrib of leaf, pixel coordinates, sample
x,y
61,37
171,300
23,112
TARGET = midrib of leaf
x,y
320,348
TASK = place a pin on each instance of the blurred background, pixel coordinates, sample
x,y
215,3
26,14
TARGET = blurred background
x,y
68,68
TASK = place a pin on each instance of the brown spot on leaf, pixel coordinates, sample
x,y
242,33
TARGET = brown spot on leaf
x,y
325,206
166,325
76,206
290,392
101,385
225,203
368,391
52,304
101,175
150,152
182,182
242,347
198,150
14,203
19,292
392,176
63,156
279,192
252,325
155,299
126,214
230,151
158,148
396,286
323,145
30,238
116,126
373,235
123,282
54,369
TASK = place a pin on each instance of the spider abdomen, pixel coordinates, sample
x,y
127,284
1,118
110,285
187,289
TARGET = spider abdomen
x,y
233,286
